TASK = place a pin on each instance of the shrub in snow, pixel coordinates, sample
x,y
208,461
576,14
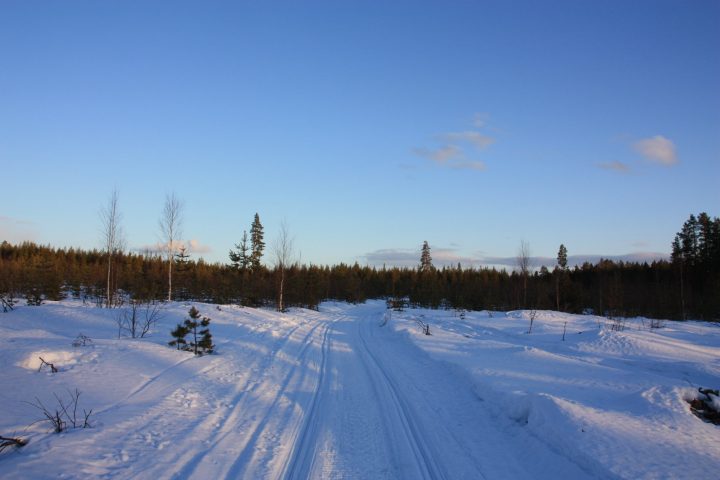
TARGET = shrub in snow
x,y
706,405
82,341
7,301
423,325
201,342
138,318
52,367
65,414
531,316
11,442
33,298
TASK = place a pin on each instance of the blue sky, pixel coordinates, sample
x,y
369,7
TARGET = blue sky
x,y
368,127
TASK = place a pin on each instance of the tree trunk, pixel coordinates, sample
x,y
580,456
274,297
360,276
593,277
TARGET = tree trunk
x,y
170,262
108,298
281,307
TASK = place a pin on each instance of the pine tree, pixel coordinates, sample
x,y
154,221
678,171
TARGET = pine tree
x,y
204,343
240,258
181,271
179,337
425,258
256,243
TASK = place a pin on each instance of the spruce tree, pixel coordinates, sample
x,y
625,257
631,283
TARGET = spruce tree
x,y
425,258
240,258
562,257
560,270
256,243
182,269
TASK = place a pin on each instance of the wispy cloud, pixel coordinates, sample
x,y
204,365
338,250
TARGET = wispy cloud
x,y
477,139
441,155
454,153
616,166
657,149
192,247
409,257
574,260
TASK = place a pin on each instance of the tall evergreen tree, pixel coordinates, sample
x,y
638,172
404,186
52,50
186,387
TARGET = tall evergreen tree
x,y
240,258
182,269
562,257
559,271
425,258
257,245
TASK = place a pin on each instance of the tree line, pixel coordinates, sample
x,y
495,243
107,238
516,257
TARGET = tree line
x,y
686,286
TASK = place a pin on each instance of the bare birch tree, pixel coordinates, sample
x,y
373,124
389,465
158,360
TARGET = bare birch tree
x,y
113,239
523,263
170,231
283,252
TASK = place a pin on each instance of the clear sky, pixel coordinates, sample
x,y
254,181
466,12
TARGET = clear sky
x,y
368,127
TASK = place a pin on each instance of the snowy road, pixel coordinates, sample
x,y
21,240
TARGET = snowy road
x,y
341,394
342,397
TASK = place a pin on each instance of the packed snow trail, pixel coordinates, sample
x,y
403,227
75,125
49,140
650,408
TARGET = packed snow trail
x,y
341,394
384,409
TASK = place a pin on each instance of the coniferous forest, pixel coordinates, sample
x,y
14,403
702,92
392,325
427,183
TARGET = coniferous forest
x,y
686,286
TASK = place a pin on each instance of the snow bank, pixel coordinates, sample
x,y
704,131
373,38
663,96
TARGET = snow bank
x,y
613,402
61,359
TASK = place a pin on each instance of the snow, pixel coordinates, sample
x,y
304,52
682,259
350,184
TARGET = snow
x,y
354,391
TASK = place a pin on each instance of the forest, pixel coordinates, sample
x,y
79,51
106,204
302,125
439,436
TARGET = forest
x,y
687,286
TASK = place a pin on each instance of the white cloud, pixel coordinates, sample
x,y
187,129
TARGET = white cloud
x,y
477,139
657,149
615,165
574,260
192,247
407,257
410,257
442,155
453,153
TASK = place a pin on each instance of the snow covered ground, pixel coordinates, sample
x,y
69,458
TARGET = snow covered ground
x,y
356,392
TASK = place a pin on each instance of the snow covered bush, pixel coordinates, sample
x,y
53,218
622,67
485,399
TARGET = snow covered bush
x,y
706,405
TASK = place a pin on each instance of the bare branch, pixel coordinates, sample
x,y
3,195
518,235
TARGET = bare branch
x,y
11,442
43,363
170,224
113,239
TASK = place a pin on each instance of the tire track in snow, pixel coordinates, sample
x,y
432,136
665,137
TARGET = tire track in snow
x,y
302,458
425,458
253,444
186,458
229,428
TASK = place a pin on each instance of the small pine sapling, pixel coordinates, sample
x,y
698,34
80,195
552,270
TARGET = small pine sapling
x,y
201,342
179,337
205,343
